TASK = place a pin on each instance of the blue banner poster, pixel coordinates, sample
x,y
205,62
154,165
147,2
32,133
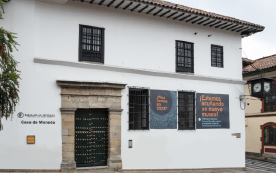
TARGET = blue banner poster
x,y
212,111
163,109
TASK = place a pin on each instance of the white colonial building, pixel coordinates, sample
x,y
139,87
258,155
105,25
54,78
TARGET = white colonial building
x,y
125,84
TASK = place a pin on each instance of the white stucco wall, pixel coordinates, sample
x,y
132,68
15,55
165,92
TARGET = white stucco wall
x,y
131,40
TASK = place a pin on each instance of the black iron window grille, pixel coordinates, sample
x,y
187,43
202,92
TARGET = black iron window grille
x,y
184,57
216,56
91,44
186,110
138,109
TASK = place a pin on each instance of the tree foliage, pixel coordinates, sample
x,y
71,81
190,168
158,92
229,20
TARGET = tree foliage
x,y
9,75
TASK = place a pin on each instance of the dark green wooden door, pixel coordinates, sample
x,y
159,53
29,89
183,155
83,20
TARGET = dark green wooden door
x,y
91,139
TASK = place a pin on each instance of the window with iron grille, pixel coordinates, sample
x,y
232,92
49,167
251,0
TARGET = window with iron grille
x,y
184,57
186,110
217,56
138,109
91,44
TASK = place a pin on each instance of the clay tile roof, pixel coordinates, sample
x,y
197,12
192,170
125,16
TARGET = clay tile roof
x,y
197,11
262,63
249,61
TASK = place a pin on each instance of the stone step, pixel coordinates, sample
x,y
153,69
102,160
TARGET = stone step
x,y
94,168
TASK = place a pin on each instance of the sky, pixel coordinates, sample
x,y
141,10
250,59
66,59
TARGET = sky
x,y
260,12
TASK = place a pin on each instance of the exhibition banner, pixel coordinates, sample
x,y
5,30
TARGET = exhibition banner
x,y
212,111
163,109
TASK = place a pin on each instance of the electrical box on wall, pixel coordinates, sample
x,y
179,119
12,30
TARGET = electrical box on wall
x,y
30,139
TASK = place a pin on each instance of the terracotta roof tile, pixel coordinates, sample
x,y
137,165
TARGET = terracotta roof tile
x,y
262,63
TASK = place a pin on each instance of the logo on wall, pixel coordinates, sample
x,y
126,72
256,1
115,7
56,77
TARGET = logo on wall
x,y
163,109
20,115
212,111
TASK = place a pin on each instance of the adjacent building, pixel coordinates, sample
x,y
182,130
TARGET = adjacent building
x,y
126,84
260,114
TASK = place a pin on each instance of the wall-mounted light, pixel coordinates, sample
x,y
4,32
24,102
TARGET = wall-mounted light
x,y
30,139
195,33
210,35
129,143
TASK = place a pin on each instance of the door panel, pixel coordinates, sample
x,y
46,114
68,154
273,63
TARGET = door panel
x,y
91,142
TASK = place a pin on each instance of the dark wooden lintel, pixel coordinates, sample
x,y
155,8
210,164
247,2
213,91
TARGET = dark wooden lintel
x,y
151,10
135,7
127,6
203,21
111,3
215,24
185,17
209,23
120,4
158,12
172,14
178,16
101,2
197,20
165,13
221,25
143,8
192,19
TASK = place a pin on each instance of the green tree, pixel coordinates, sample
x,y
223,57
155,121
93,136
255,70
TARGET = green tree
x,y
9,75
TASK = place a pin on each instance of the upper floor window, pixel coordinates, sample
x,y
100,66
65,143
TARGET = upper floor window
x,y
184,56
186,110
91,44
217,56
270,104
138,109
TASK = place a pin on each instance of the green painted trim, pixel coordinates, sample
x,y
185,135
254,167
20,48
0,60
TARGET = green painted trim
x,y
257,72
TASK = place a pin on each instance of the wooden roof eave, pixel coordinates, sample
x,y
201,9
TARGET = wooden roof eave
x,y
193,16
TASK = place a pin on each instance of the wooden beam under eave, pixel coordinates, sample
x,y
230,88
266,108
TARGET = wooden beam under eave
x,y
120,4
172,14
151,10
232,27
185,17
203,21
127,5
135,7
209,22
111,3
237,28
243,29
221,25
215,24
192,19
197,20
158,12
226,26
101,2
178,16
165,13
143,9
